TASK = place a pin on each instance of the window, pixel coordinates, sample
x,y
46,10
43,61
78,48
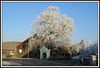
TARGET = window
x,y
11,53
20,50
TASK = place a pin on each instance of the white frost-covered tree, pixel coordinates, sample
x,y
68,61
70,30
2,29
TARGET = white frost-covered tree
x,y
94,48
51,24
89,49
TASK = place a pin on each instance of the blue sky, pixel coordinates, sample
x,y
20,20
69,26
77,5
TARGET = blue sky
x,y
17,19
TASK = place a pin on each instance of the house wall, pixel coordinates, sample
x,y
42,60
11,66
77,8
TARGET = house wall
x,y
44,50
6,53
24,47
47,54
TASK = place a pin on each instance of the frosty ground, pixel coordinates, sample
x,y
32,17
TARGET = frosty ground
x,y
38,62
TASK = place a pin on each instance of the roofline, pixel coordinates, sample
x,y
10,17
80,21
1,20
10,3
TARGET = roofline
x,y
7,50
22,42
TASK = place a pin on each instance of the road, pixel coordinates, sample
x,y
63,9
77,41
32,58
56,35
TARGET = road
x,y
38,62
76,57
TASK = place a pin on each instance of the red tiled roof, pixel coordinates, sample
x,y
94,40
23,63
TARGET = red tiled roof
x,y
22,42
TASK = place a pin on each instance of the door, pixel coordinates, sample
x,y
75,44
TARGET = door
x,y
44,56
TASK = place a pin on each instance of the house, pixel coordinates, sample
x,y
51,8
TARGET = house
x,y
9,49
44,52
15,49
22,49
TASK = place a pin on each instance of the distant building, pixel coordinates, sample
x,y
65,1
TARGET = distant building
x,y
9,49
15,49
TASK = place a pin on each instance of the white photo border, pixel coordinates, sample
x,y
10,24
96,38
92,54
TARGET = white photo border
x,y
49,1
